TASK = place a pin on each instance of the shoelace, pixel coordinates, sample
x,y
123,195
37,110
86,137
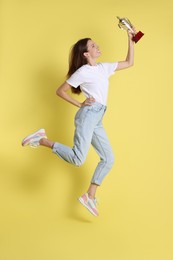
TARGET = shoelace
x,y
96,201
34,144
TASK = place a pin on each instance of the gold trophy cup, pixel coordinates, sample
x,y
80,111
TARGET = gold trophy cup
x,y
125,24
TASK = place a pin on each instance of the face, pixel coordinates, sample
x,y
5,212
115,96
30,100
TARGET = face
x,y
93,50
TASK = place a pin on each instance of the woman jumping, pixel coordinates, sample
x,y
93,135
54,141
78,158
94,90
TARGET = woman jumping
x,y
92,79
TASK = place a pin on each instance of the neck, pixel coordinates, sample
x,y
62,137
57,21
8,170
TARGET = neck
x,y
92,62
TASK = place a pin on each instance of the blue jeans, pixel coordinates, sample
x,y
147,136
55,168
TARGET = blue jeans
x,y
89,130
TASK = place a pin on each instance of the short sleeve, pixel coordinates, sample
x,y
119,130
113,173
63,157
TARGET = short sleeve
x,y
110,67
76,79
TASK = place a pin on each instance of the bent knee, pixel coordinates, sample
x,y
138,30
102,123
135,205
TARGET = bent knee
x,y
78,162
110,160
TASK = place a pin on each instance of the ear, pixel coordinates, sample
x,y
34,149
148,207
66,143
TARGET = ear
x,y
86,54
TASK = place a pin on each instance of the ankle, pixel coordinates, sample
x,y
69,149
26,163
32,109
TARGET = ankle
x,y
46,142
91,196
42,141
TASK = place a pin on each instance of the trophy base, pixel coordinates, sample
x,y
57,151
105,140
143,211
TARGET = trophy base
x,y
137,36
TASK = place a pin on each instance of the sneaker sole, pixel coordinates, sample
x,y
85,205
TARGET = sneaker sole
x,y
26,140
86,206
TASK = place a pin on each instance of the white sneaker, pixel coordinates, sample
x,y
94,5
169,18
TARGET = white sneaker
x,y
90,204
33,139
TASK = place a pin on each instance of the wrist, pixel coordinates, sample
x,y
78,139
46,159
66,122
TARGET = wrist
x,y
131,40
130,37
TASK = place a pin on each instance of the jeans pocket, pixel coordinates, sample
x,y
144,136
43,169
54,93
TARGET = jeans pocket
x,y
81,114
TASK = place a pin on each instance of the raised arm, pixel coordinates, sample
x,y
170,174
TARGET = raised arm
x,y
129,61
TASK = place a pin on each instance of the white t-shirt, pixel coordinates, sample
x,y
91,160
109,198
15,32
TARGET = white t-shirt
x,y
93,80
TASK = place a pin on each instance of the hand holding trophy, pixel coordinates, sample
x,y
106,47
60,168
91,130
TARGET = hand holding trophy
x,y
125,24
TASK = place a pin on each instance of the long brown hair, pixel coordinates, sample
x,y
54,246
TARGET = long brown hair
x,y
77,59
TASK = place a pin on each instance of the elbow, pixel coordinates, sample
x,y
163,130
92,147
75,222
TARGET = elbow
x,y
62,90
58,92
131,64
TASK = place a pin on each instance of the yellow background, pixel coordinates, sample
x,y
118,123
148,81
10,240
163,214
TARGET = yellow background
x,y
40,217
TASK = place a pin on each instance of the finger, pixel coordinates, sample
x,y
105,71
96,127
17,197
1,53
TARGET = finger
x,y
134,29
89,103
92,99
